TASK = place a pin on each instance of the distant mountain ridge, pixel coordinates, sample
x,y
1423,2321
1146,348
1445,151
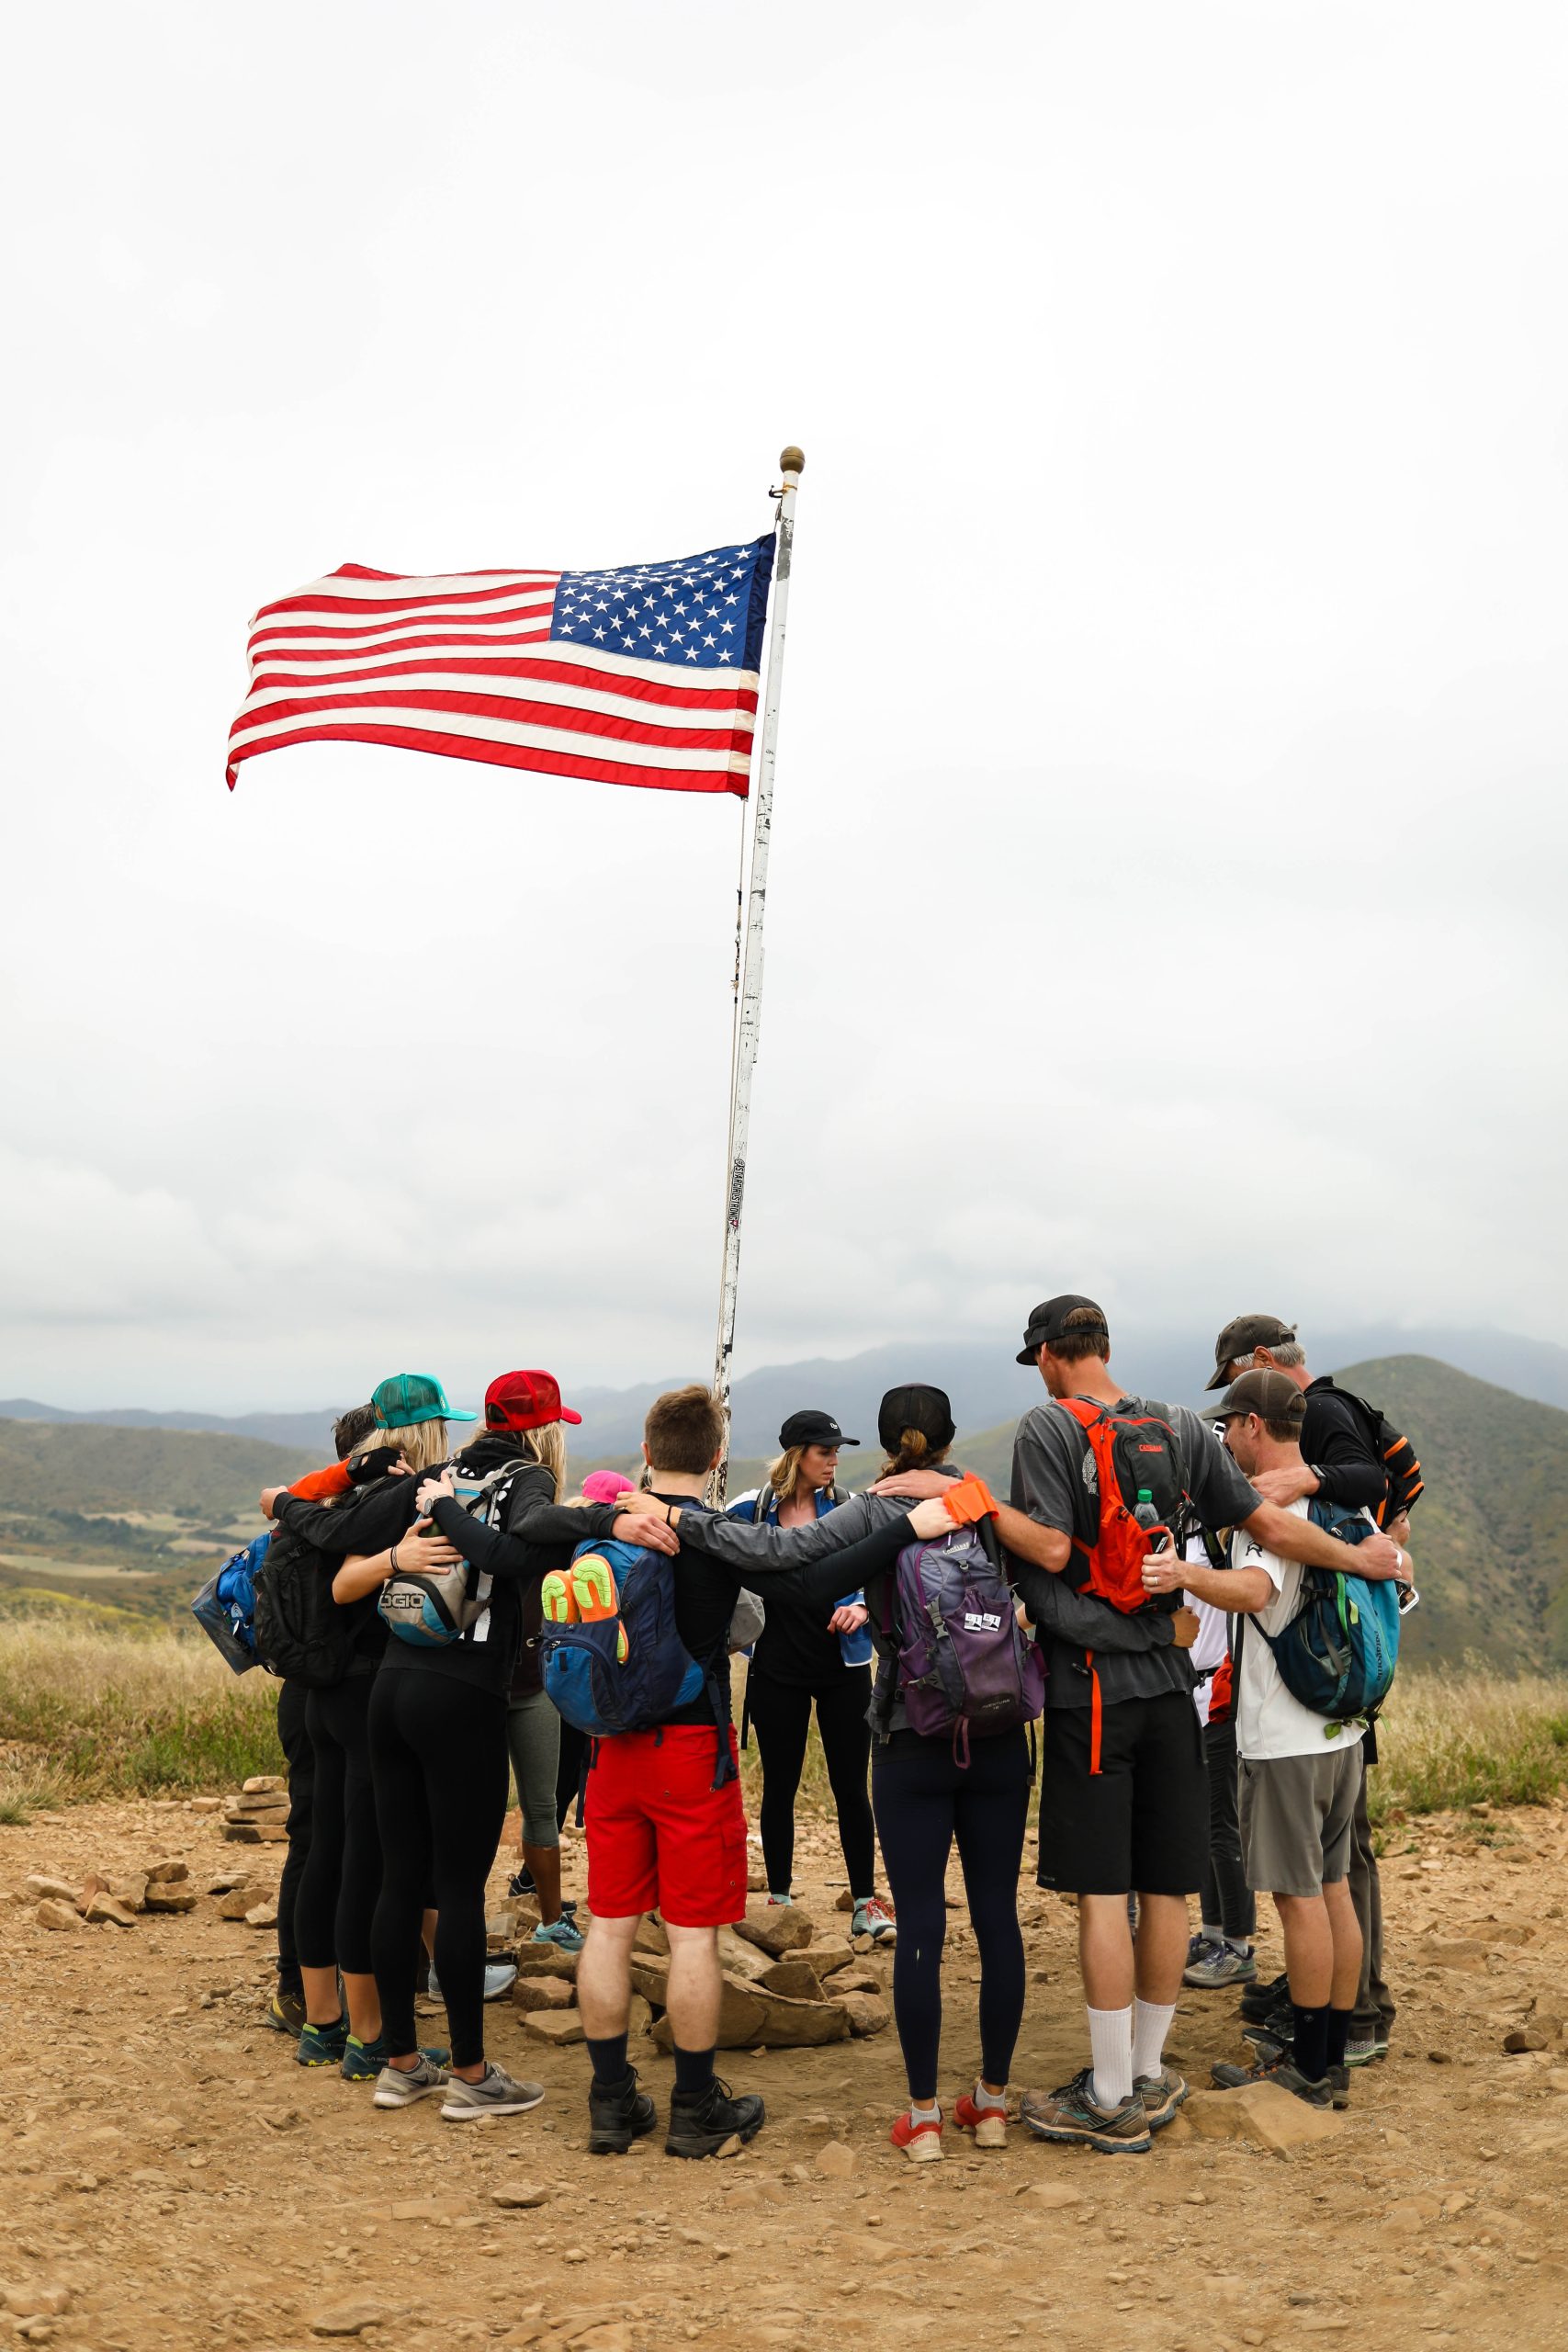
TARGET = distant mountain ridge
x,y
984,1383
81,1502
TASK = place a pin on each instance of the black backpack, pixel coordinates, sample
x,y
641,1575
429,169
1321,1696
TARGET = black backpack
x,y
302,1633
1396,1456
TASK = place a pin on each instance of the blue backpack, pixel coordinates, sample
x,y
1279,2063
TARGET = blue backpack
x,y
225,1608
630,1672
1339,1653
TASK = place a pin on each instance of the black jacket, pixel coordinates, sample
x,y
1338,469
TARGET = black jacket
x,y
1337,1445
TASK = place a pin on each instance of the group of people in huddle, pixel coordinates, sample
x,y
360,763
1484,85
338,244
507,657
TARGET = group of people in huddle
x,y
1172,1760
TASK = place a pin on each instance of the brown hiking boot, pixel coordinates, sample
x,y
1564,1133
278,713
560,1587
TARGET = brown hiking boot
x,y
1072,2114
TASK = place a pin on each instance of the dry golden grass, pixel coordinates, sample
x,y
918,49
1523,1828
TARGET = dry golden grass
x,y
87,1711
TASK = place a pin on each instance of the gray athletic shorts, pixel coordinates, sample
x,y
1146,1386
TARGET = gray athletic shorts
x,y
1297,1812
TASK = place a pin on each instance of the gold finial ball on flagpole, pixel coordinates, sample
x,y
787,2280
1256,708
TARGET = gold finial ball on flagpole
x,y
792,460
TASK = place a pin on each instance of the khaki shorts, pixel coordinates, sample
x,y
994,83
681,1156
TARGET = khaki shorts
x,y
1297,1812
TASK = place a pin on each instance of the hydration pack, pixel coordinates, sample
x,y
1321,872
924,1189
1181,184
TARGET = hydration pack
x,y
1133,1452
610,1656
963,1666
225,1608
432,1607
1339,1653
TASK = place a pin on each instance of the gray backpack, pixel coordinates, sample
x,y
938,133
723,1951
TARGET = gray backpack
x,y
436,1606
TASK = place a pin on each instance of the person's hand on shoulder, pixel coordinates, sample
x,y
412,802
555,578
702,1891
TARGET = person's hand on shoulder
x,y
423,1548
913,1486
930,1520
1285,1487
269,1495
639,1527
431,1490
376,1462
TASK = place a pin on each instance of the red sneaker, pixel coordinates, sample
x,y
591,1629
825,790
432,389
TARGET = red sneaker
x,y
989,2124
922,2143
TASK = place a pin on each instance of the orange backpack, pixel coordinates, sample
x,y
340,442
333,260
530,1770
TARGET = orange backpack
x,y
1133,1453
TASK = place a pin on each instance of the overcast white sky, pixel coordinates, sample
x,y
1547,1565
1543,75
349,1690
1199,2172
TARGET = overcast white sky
x,y
1168,862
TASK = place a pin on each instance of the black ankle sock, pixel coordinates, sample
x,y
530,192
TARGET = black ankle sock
x,y
609,2060
1338,2034
694,2072
1311,2039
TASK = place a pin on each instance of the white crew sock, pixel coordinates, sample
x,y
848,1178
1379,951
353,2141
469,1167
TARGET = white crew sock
x,y
925,2111
1210,1935
1242,1944
990,2102
1151,2023
1110,2041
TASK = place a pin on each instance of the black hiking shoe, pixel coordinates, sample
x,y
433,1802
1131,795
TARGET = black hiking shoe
x,y
1339,2083
616,2117
700,2126
1280,2072
1260,1999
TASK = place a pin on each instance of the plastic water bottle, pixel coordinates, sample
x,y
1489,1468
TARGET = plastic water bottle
x,y
1149,1519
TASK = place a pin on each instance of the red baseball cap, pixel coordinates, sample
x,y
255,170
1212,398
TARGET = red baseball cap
x,y
524,1401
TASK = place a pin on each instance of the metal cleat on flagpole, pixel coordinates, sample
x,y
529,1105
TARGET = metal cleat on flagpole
x,y
749,969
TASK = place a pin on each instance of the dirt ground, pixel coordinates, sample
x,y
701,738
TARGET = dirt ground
x,y
172,2178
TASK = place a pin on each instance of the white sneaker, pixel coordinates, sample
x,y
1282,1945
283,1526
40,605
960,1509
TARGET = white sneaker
x,y
401,2085
493,2094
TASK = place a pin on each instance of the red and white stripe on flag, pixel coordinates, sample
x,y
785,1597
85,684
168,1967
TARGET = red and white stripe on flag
x,y
646,675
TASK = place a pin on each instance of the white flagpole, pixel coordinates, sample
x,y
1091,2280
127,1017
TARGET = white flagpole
x,y
744,1050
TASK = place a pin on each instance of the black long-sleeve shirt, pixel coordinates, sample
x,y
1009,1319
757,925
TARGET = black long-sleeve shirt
x,y
1337,1445
536,1535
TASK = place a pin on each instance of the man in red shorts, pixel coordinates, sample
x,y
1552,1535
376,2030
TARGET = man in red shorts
x,y
662,1835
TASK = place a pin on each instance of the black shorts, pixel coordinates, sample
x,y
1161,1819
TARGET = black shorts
x,y
1141,1822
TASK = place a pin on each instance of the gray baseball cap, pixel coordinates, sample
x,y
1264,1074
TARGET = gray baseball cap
x,y
1240,1336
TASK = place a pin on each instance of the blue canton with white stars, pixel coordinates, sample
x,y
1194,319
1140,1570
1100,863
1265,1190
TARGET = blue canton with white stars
x,y
702,612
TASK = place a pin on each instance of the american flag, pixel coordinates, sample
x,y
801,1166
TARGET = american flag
x,y
643,676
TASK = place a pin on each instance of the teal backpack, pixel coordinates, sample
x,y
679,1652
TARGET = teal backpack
x,y
1339,1653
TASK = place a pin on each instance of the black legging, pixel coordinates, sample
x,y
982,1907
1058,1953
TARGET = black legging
x,y
343,1870
442,1776
923,1800
294,1738
781,1717
1228,1902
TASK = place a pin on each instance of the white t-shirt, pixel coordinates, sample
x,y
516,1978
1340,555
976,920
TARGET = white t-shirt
x,y
1268,1721
1213,1638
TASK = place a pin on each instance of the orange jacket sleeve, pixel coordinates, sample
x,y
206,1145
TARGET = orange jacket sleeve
x,y
320,1483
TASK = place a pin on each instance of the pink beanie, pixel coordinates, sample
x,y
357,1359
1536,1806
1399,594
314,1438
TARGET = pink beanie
x,y
604,1485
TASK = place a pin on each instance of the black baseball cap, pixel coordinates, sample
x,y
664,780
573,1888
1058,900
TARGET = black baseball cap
x,y
813,1429
1241,1335
1272,1396
915,1407
1047,1324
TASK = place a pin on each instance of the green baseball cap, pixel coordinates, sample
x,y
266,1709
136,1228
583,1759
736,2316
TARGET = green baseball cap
x,y
410,1398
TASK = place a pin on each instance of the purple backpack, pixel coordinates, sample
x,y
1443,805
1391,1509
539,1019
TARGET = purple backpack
x,y
963,1665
